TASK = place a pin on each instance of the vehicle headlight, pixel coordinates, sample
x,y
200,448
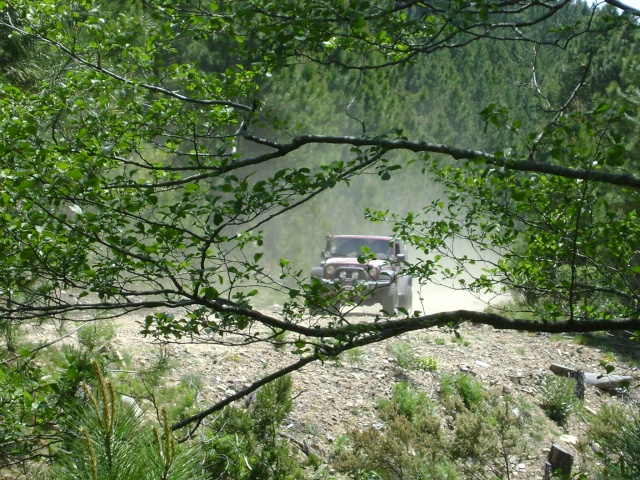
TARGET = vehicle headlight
x,y
329,271
343,274
355,275
374,272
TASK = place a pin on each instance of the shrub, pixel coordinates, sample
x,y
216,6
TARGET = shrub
x,y
26,411
410,442
96,334
486,438
462,386
559,399
37,397
407,401
408,445
11,332
406,358
243,443
354,355
616,431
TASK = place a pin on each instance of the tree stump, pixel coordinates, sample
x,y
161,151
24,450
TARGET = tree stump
x,y
558,460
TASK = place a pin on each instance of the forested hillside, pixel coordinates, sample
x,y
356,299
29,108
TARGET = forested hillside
x,y
438,98
184,162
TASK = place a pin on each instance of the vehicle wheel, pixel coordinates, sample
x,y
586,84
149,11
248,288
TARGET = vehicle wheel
x,y
390,301
406,301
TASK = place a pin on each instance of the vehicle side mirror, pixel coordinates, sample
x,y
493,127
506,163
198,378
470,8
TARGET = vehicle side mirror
x,y
401,257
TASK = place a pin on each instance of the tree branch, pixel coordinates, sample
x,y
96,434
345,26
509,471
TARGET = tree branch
x,y
244,392
623,6
619,179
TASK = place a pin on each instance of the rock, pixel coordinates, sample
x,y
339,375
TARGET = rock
x,y
590,410
570,439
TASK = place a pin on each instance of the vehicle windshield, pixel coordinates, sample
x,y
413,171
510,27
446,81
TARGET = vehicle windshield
x,y
352,247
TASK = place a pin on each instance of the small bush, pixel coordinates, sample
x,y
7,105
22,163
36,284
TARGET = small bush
x,y
96,334
559,399
26,419
110,439
355,355
426,363
406,358
408,443
279,338
461,342
462,386
411,443
488,437
407,401
616,431
11,333
243,443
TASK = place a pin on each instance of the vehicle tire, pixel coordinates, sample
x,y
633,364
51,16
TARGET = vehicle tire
x,y
406,301
390,300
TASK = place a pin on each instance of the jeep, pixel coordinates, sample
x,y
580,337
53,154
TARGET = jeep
x,y
372,267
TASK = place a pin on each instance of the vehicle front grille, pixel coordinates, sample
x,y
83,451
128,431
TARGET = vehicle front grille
x,y
350,275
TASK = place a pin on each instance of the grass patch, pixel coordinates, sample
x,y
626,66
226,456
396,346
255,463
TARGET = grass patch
x,y
407,358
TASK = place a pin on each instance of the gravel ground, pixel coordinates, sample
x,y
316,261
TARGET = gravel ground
x,y
332,398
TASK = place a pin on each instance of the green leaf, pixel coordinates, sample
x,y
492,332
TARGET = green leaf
x,y
74,173
210,293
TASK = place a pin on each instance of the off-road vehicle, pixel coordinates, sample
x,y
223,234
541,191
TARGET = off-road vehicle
x,y
372,267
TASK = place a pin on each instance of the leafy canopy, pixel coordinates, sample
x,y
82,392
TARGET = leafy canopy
x,y
158,154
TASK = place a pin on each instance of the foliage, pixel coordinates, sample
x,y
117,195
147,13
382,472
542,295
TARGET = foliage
x,y
461,386
111,440
489,435
408,445
182,160
406,358
11,333
95,335
27,410
559,398
355,356
411,442
244,443
40,390
614,429
50,410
